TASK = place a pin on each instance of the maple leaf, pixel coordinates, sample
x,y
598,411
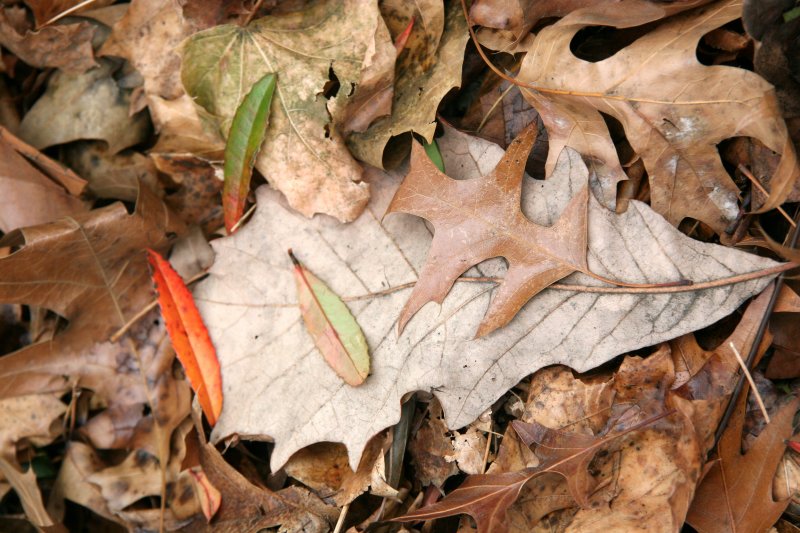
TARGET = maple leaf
x,y
673,115
736,494
479,219
250,306
303,154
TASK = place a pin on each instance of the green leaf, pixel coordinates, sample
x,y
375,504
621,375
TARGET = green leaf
x,y
434,154
245,138
330,323
303,155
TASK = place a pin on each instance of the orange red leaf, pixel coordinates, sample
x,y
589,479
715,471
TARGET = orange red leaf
x,y
189,336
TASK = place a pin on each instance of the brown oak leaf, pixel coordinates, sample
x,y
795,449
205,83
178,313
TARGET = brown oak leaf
x,y
481,218
736,494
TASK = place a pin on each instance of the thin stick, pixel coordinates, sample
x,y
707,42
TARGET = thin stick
x,y
73,183
489,437
342,516
491,109
252,13
149,307
69,11
243,219
751,356
761,188
749,377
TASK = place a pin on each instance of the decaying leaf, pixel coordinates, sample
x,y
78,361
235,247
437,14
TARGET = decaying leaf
x,y
28,417
210,497
486,497
673,115
66,47
189,336
85,106
244,140
250,306
246,507
29,196
428,67
330,323
372,98
91,270
199,184
736,494
429,448
303,155
148,36
24,484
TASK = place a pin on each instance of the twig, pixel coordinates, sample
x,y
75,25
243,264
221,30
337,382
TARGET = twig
x,y
749,377
252,14
73,183
69,11
762,328
149,307
491,109
761,188
342,516
243,219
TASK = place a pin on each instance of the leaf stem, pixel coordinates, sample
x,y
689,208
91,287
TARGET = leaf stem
x,y
663,288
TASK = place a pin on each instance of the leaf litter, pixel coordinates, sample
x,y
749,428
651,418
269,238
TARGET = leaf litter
x,y
543,355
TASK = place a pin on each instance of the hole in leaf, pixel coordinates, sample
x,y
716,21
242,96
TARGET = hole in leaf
x,y
726,45
596,43
331,86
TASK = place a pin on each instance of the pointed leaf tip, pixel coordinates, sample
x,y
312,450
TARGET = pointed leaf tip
x,y
248,129
189,336
333,328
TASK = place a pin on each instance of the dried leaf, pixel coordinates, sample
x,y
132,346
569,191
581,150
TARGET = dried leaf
x,y
24,484
148,36
115,176
429,448
29,417
90,269
246,507
250,306
330,323
30,197
303,156
244,141
372,98
199,183
429,66
45,10
674,116
67,47
486,497
210,497
480,219
736,494
189,336
86,106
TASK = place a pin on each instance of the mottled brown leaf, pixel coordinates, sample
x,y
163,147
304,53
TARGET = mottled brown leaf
x,y
736,494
